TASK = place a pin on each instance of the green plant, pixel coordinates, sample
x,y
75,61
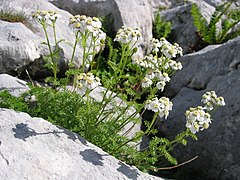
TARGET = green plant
x,y
12,102
13,16
161,28
102,122
209,31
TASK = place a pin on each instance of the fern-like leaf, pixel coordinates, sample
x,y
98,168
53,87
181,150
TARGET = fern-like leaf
x,y
198,20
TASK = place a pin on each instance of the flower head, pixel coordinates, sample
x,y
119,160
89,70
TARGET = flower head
x,y
127,35
85,24
197,119
146,82
88,81
210,99
161,106
44,16
169,50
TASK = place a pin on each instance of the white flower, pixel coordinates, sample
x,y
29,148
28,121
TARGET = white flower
x,y
210,99
197,119
161,106
174,65
88,81
150,75
154,45
85,24
164,77
45,16
146,82
127,35
160,85
169,50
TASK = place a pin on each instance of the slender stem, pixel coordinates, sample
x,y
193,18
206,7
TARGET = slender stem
x,y
54,32
50,50
75,45
122,58
55,64
84,44
150,127
88,113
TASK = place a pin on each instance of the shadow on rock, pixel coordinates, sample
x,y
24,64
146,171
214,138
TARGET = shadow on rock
x,y
22,131
92,156
128,171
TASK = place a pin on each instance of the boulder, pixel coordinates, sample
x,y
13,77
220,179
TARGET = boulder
x,y
32,148
213,68
183,30
20,43
134,13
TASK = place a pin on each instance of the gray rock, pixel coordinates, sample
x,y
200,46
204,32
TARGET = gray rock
x,y
214,68
14,85
134,13
32,148
183,30
20,44
200,67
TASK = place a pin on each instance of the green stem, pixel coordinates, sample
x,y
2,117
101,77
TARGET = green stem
x,y
122,58
145,133
84,44
88,114
50,50
74,47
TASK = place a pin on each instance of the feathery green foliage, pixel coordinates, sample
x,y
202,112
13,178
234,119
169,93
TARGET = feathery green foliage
x,y
209,31
161,28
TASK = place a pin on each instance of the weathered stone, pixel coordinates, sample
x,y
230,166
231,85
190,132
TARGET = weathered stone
x,y
200,67
32,148
20,43
134,13
14,85
183,30
214,68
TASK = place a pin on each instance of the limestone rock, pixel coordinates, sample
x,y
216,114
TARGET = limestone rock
x,y
14,85
214,68
32,148
20,44
200,67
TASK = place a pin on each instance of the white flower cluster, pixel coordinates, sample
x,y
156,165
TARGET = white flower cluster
x,y
84,23
127,35
197,119
157,75
43,15
161,106
90,27
169,50
210,99
173,65
87,80
156,65
152,62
